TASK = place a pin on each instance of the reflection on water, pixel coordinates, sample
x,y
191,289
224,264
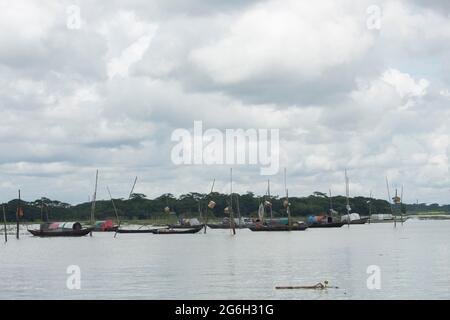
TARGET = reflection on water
x,y
414,262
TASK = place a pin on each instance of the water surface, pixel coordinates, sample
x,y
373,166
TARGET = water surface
x,y
414,261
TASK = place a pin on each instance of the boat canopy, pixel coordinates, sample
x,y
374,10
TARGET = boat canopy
x,y
61,226
103,225
353,217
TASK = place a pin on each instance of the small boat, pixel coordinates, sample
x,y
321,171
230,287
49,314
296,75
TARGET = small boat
x,y
327,225
136,230
360,221
323,222
105,226
354,218
176,231
187,223
278,227
61,229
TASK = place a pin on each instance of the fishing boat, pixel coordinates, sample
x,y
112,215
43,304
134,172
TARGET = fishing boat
x,y
386,218
61,229
355,218
244,223
323,222
135,230
186,223
105,226
298,226
177,231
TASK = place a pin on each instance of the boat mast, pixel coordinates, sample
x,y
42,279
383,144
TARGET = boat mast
x,y
401,206
238,209
209,204
132,188
4,223
114,206
94,198
331,203
269,200
390,203
347,192
231,203
288,209
18,217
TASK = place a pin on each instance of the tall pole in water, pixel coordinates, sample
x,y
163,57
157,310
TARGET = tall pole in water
x,y
17,217
238,210
4,223
288,209
209,205
347,192
390,203
132,188
370,206
401,206
94,198
231,203
269,200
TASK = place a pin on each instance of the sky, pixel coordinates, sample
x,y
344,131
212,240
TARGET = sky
x,y
351,84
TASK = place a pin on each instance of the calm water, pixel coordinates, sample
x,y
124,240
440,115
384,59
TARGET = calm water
x,y
414,262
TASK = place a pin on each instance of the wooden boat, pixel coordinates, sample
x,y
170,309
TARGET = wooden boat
x,y
176,231
180,226
327,225
62,233
60,229
225,226
135,230
280,227
360,221
399,220
105,226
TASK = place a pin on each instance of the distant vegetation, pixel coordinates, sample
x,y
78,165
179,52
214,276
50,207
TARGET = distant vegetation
x,y
189,205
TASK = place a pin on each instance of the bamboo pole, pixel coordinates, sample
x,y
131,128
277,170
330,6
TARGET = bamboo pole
x,y
232,226
207,205
390,203
288,206
4,223
17,217
94,198
401,206
114,206
238,209
347,193
132,188
270,206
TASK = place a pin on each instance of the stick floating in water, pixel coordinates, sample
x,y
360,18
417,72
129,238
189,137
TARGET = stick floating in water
x,y
318,286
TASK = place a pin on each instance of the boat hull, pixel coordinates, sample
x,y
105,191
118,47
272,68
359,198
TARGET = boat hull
x,y
176,231
224,226
359,221
327,225
135,231
65,233
275,228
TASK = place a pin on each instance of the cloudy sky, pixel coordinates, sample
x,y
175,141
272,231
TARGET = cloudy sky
x,y
88,85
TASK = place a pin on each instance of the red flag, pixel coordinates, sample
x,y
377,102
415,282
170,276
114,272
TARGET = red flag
x,y
20,212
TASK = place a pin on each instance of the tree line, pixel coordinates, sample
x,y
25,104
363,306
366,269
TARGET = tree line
x,y
194,205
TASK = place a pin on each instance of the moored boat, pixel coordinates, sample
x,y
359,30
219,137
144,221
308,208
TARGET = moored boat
x,y
61,229
279,227
177,231
105,226
323,222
